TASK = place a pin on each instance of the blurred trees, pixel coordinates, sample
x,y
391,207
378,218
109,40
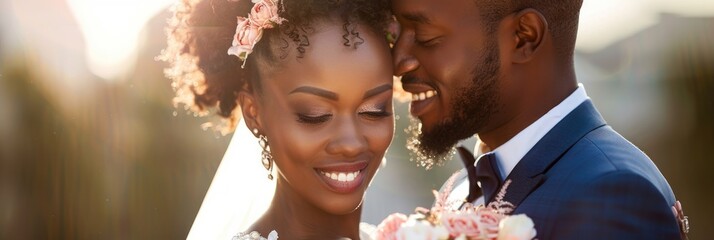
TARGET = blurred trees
x,y
114,163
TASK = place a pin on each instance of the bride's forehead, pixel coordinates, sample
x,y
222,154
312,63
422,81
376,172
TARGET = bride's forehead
x,y
334,47
328,59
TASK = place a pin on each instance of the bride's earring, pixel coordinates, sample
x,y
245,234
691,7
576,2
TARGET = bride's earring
x,y
267,158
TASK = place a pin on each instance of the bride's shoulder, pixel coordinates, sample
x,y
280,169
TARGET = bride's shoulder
x,y
254,235
366,232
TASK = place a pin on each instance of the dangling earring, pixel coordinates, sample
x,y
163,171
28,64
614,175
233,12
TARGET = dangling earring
x,y
266,158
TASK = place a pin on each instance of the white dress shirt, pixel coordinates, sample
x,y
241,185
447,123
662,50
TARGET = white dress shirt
x,y
511,152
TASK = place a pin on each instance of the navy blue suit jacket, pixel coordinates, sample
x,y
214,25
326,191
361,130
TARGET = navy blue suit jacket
x,y
583,180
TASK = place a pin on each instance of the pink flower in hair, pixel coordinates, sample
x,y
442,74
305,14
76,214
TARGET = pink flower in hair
x,y
249,31
247,35
265,14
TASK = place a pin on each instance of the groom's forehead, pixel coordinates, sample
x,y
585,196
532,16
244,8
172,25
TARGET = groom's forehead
x,y
426,11
416,17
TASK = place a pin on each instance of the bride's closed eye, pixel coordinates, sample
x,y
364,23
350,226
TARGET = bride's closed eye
x,y
313,119
375,112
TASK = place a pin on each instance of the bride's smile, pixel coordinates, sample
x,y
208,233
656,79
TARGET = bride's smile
x,y
328,118
313,83
344,176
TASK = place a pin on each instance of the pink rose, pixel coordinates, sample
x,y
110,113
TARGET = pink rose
x,y
461,224
387,230
247,35
479,224
264,14
489,217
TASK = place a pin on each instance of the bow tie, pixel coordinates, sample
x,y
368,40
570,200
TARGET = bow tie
x,y
485,171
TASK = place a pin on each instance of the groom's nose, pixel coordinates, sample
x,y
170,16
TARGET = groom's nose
x,y
348,140
404,62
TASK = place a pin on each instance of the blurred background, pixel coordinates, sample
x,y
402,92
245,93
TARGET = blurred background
x,y
92,148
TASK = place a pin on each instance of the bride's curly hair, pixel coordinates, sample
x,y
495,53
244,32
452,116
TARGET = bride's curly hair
x,y
200,32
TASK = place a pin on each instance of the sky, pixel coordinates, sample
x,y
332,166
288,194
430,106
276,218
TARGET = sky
x,y
603,22
111,29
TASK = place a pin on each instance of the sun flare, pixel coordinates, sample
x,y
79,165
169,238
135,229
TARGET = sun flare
x,y
112,31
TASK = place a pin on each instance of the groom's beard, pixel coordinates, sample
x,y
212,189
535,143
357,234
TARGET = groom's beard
x,y
421,153
471,110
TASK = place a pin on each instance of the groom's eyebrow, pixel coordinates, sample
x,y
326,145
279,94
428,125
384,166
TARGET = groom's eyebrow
x,y
316,91
416,17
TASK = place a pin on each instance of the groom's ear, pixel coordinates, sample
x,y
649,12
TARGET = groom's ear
x,y
530,29
249,106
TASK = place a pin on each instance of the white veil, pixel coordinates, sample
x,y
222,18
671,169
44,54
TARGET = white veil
x,y
239,193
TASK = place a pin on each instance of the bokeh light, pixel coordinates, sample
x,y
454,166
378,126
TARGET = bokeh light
x,y
90,147
112,31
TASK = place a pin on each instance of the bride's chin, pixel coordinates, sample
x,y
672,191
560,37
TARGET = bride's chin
x,y
344,203
342,206
342,195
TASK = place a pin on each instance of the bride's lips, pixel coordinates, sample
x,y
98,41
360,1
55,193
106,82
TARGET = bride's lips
x,y
343,177
423,96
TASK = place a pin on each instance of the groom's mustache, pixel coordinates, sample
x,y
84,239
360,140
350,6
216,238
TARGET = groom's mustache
x,y
411,79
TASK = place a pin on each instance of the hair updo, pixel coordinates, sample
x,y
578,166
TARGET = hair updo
x,y
200,32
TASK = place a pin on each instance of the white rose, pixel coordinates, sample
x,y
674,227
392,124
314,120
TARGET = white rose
x,y
516,227
273,235
440,233
417,230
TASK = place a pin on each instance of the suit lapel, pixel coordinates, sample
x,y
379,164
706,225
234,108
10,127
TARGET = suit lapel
x,y
529,173
455,180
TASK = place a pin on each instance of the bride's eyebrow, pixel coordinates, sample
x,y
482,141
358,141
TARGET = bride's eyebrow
x,y
377,90
316,91
333,96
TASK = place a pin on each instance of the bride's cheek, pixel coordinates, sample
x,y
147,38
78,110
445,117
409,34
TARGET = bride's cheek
x,y
382,134
304,144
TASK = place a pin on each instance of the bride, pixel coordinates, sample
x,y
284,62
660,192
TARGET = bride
x,y
312,81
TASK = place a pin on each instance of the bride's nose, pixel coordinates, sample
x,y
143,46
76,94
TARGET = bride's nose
x,y
348,140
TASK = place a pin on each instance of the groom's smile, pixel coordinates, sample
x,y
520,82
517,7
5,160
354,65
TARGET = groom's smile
x,y
423,95
450,64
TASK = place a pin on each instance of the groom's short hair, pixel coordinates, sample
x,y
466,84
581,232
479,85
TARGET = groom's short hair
x,y
562,17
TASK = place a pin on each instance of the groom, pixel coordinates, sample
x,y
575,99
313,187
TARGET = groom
x,y
504,70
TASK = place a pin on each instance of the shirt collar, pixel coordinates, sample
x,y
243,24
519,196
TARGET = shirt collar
x,y
511,152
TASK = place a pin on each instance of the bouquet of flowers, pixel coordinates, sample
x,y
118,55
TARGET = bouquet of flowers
x,y
469,222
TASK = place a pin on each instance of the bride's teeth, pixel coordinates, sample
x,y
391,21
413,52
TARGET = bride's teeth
x,y
342,177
